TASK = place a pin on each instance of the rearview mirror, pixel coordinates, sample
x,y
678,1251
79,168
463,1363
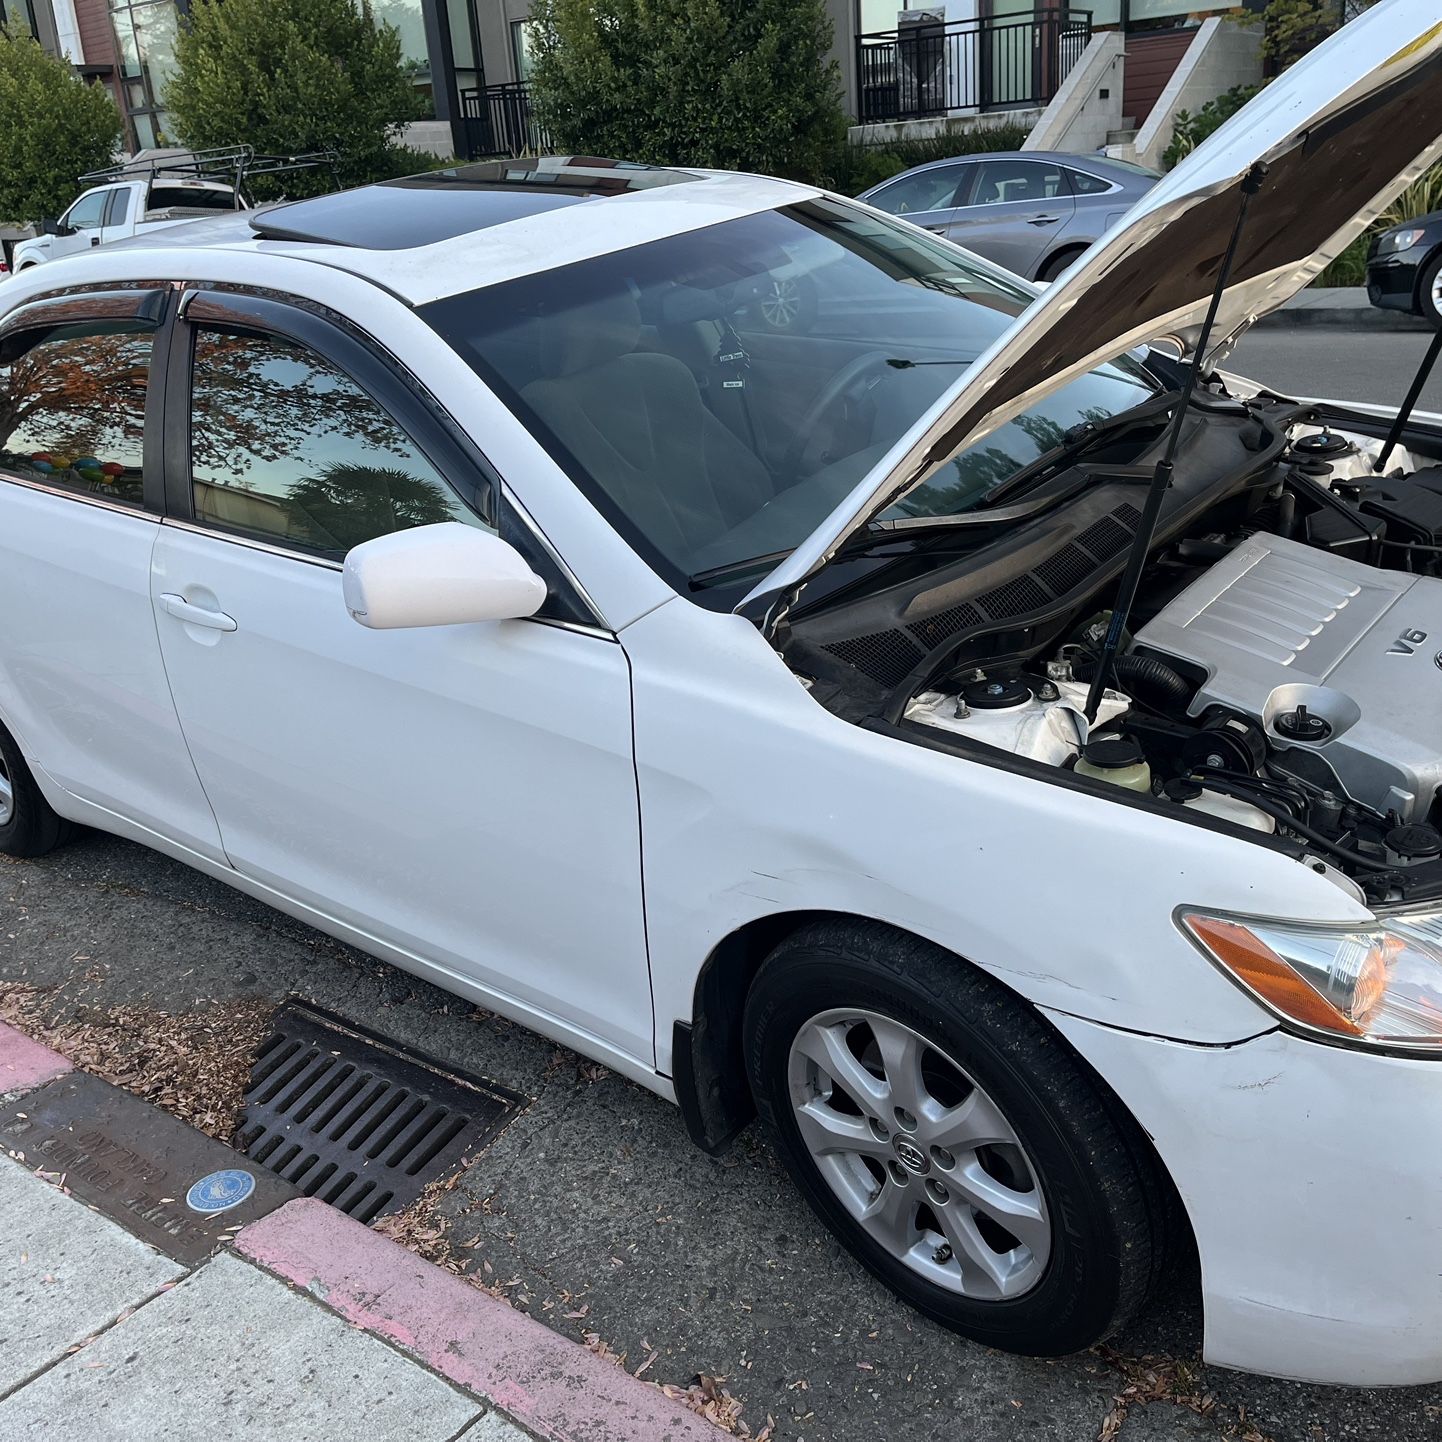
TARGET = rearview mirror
x,y
442,575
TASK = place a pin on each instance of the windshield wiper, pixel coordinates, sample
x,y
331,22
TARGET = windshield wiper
x,y
1080,438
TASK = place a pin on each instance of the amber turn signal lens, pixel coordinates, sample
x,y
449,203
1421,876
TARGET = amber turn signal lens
x,y
1253,962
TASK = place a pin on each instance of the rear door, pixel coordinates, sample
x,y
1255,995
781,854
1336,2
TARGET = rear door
x,y
82,685
119,218
464,793
1012,212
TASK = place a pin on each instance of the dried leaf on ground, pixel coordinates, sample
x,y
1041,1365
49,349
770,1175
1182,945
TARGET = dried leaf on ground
x,y
195,1064
1167,1379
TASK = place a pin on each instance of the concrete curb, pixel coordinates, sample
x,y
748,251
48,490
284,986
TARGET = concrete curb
x,y
25,1064
551,1385
1343,307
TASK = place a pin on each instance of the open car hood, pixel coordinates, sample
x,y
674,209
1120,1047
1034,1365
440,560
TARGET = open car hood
x,y
1341,134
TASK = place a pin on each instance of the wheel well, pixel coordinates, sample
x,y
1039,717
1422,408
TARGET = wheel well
x,y
708,1068
1418,298
1065,255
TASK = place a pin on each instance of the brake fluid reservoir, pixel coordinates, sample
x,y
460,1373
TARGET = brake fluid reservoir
x,y
1118,760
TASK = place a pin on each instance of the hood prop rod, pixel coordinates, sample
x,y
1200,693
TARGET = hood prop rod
x,y
1162,476
1413,392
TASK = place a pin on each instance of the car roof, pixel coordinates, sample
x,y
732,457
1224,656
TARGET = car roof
x,y
1117,170
467,226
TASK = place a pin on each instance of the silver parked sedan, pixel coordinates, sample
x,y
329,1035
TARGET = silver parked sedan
x,y
1033,211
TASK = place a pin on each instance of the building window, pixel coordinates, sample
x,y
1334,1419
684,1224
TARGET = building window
x,y
145,34
521,48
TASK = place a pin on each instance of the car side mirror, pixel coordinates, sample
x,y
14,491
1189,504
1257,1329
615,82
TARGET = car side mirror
x,y
54,227
447,574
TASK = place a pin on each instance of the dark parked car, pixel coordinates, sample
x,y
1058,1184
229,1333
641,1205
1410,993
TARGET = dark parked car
x,y
1404,267
1033,211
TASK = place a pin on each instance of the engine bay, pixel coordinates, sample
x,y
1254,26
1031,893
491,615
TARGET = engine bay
x,y
1282,673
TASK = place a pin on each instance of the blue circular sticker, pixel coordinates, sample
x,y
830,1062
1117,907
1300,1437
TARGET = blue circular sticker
x,y
220,1191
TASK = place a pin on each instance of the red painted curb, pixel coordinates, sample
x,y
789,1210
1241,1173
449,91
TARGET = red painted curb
x,y
25,1064
555,1386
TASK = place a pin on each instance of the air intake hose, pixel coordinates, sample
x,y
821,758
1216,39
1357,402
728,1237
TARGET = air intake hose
x,y
1147,678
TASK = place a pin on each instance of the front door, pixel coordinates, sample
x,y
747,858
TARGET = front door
x,y
85,220
465,793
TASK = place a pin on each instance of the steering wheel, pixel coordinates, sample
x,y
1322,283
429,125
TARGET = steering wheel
x,y
804,454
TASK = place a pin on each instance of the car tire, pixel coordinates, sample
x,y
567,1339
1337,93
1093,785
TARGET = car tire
x,y
1063,1163
1055,264
29,825
1427,291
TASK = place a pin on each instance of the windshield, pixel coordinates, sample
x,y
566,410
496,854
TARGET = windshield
x,y
717,394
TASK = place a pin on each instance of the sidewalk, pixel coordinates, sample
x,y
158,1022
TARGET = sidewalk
x,y
131,1312
1339,308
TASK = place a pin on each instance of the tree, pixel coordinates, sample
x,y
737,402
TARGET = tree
x,y
290,76
56,127
1293,27
736,84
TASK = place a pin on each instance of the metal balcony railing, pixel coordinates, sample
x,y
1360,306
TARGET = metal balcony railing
x,y
937,68
499,122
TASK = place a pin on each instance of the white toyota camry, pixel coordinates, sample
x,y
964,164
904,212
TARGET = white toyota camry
x,y
971,730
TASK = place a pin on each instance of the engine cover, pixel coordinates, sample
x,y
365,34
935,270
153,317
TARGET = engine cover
x,y
1277,625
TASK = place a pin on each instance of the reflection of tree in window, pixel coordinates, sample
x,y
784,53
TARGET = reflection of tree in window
x,y
285,445
72,407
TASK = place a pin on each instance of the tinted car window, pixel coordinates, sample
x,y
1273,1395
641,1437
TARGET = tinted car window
x,y
1085,184
1007,180
72,407
286,447
119,206
191,197
86,212
925,190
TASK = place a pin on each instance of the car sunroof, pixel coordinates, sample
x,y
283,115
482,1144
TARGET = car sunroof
x,y
442,204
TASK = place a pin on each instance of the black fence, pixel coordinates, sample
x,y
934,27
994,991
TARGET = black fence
x,y
936,67
499,122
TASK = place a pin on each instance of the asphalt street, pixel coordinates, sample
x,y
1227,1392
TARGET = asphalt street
x,y
593,1211
1324,364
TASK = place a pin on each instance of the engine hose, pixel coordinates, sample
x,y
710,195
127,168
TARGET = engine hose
x,y
1152,680
1281,814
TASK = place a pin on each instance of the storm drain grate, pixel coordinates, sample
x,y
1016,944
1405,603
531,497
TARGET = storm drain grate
x,y
356,1120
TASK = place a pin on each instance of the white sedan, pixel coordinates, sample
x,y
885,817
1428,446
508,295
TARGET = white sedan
x,y
460,565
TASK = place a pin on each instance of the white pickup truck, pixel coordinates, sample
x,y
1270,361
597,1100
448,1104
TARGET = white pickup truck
x,y
126,207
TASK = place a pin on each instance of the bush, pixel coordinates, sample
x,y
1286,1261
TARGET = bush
x,y
734,84
859,167
56,128
1190,130
290,76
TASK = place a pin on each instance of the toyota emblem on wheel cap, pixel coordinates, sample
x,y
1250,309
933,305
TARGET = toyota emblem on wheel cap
x,y
911,1155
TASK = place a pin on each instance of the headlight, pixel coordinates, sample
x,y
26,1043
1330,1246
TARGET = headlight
x,y
1398,240
1376,985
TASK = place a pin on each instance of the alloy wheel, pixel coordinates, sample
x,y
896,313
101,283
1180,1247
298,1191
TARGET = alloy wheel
x,y
781,305
7,795
919,1155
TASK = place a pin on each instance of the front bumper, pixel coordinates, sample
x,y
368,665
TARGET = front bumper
x,y
1392,281
1312,1175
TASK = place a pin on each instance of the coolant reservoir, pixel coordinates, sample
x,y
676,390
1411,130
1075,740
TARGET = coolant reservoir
x,y
1117,759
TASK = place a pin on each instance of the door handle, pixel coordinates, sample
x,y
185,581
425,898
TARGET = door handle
x,y
1042,219
936,229
95,240
182,610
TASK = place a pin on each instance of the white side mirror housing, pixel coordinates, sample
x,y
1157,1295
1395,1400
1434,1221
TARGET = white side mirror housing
x,y
448,574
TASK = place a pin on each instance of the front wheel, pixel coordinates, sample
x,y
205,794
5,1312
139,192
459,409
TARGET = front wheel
x,y
1429,301
952,1141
